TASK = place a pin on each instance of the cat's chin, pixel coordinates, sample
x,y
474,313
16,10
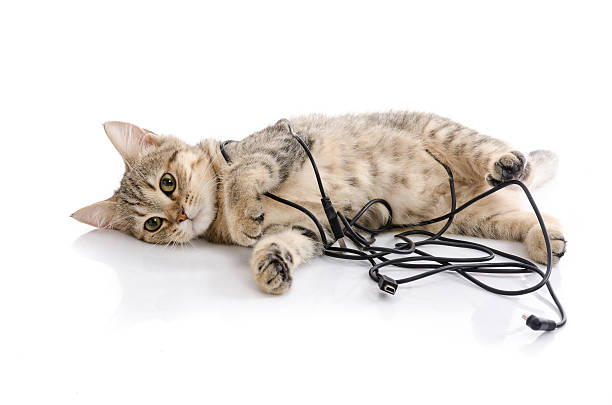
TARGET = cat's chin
x,y
200,223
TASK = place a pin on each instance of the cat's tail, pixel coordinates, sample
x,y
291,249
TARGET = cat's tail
x,y
543,165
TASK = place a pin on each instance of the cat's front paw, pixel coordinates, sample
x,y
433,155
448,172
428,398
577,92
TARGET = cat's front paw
x,y
245,221
271,266
536,246
509,166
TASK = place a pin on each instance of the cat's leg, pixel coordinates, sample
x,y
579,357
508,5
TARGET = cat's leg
x,y
475,158
472,155
260,163
243,186
278,253
516,225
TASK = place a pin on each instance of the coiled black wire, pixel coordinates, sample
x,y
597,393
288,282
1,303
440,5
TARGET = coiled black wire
x,y
409,251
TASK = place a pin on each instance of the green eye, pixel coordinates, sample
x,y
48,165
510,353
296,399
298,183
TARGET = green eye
x,y
152,224
167,183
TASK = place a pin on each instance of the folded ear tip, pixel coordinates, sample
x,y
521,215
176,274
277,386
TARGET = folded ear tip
x,y
110,124
78,215
129,140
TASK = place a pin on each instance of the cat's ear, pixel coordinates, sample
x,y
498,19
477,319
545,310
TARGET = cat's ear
x,y
100,214
130,140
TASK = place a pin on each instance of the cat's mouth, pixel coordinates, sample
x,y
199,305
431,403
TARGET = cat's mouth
x,y
198,221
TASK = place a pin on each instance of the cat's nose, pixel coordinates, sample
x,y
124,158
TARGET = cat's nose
x,y
181,216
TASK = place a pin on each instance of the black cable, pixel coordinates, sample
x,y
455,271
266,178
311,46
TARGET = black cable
x,y
409,252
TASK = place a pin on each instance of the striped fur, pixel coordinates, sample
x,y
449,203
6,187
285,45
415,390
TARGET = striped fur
x,y
360,157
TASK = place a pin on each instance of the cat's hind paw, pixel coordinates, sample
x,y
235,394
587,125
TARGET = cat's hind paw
x,y
536,246
509,166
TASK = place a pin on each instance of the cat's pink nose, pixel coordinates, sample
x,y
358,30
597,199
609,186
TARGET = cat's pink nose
x,y
181,216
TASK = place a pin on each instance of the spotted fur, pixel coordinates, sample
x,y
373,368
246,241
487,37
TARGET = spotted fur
x,y
360,157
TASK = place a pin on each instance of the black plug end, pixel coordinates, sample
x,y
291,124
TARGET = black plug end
x,y
332,217
387,284
536,323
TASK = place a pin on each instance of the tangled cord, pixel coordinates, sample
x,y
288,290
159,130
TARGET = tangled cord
x,y
411,257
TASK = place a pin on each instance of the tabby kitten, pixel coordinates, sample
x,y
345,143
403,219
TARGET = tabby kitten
x,y
172,192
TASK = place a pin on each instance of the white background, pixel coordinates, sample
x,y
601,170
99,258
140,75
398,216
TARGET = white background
x,y
92,317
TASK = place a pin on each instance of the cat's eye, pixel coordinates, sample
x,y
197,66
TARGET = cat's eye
x,y
167,183
152,224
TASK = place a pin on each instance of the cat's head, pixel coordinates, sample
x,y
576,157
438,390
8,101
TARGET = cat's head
x,y
168,191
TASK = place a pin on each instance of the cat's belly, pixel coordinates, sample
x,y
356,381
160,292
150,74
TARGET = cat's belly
x,y
415,187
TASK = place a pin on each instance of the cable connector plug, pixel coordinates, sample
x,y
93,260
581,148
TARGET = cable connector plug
x,y
536,323
332,217
387,284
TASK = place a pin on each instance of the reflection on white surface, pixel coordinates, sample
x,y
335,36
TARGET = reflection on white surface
x,y
169,283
